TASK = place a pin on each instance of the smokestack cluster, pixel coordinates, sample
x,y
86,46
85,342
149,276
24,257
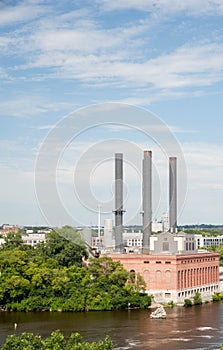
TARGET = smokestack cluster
x,y
146,199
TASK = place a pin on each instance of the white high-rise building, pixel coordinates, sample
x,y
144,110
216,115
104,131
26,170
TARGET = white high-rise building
x,y
157,226
108,234
165,222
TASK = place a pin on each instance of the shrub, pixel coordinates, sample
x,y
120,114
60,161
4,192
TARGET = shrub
x,y
170,303
187,302
56,341
27,341
216,297
197,299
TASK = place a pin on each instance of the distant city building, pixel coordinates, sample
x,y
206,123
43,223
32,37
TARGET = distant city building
x,y
109,241
132,241
30,229
165,222
205,242
157,226
97,241
34,235
34,238
6,228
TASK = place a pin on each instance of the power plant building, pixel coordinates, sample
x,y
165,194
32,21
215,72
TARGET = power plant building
x,y
174,269
170,262
174,277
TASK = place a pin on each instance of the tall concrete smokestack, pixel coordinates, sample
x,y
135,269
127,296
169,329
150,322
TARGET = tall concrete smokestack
x,y
173,194
118,201
147,200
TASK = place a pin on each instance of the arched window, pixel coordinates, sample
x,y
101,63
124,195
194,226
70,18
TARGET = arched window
x,y
168,276
132,276
146,275
158,275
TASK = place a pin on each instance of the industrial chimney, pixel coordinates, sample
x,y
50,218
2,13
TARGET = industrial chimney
x,y
118,201
173,194
147,200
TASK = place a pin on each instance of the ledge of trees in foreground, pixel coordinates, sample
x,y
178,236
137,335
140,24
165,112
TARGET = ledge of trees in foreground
x,y
56,341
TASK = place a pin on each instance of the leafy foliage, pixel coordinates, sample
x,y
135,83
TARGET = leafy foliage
x,y
197,299
13,240
218,296
65,246
51,277
187,303
56,341
218,249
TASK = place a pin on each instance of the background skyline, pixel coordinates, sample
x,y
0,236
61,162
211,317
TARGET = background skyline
x,y
165,57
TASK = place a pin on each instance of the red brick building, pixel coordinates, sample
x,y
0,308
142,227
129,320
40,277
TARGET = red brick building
x,y
6,228
175,276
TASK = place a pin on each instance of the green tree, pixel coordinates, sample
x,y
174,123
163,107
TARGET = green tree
x,y
56,341
216,296
187,303
12,240
26,341
197,299
64,245
218,249
17,287
51,277
14,262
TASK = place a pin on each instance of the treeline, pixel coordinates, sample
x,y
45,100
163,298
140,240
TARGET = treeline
x,y
51,277
218,249
56,341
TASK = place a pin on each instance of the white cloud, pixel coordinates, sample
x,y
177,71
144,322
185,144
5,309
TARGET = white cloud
x,y
75,47
204,162
20,13
46,127
78,40
4,74
193,7
32,105
158,128
187,66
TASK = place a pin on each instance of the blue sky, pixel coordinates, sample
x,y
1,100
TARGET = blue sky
x,y
163,56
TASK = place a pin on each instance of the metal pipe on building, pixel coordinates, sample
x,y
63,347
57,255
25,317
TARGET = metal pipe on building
x,y
173,194
147,200
118,202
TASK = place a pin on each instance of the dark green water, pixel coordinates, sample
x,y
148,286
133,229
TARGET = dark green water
x,y
199,327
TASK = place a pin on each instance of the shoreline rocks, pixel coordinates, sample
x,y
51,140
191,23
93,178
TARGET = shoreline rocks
x,y
158,313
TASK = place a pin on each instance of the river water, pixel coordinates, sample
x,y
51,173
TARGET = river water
x,y
197,327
